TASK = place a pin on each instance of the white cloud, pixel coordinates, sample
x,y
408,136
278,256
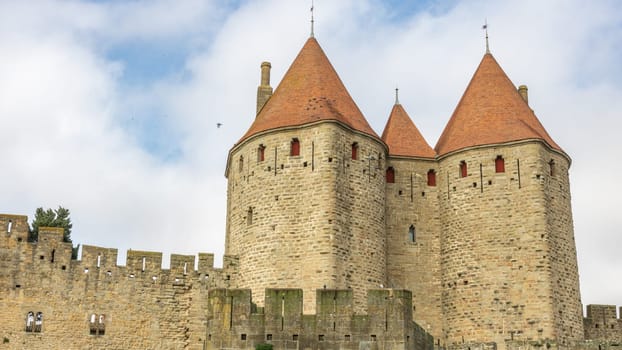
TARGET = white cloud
x,y
64,105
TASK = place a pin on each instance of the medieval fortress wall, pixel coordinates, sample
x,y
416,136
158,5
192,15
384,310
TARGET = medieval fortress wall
x,y
94,303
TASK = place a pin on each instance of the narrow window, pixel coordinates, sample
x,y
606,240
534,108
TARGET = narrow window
x,y
52,255
261,150
431,177
99,260
355,151
294,147
499,164
144,263
463,169
411,234
552,167
39,322
185,268
30,321
249,216
390,175
93,324
101,325
9,226
241,163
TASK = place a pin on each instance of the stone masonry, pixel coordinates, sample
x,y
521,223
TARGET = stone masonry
x,y
339,239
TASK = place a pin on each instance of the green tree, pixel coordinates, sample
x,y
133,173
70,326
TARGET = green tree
x,y
53,218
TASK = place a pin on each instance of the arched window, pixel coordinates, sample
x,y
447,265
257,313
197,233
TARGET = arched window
x,y
552,167
30,321
431,177
39,322
412,235
261,150
390,175
93,324
463,169
241,164
355,151
101,324
499,164
295,147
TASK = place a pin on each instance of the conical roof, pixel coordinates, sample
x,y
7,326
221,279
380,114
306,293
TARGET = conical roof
x,y
491,111
310,91
403,137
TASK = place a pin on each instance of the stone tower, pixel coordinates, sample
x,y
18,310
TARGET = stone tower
x,y
413,225
508,259
306,191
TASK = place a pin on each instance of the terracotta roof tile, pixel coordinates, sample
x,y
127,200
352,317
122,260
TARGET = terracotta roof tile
x,y
491,111
403,137
310,91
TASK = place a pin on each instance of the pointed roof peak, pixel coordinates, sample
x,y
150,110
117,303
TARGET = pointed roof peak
x,y
491,111
403,137
310,91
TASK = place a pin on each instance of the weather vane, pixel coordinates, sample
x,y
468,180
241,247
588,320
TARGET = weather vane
x,y
397,100
312,19
485,28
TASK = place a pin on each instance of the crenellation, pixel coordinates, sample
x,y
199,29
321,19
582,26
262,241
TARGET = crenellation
x,y
336,324
99,257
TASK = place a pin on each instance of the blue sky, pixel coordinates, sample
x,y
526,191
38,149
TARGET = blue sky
x,y
110,108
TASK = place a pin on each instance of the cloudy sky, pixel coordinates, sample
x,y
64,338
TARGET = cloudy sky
x,y
109,108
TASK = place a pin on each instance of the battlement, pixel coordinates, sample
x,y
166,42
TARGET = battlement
x,y
235,321
52,256
602,323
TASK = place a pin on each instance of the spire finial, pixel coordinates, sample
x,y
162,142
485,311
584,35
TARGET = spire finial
x,y
397,99
312,34
485,28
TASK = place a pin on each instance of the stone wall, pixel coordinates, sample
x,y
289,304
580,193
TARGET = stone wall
x,y
413,259
387,323
602,324
502,278
310,220
143,306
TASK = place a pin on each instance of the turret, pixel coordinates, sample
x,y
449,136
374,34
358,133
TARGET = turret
x,y
509,266
306,189
413,226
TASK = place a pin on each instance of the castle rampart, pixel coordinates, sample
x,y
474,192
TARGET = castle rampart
x,y
93,303
387,324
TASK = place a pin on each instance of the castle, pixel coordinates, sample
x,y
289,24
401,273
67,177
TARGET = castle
x,y
339,238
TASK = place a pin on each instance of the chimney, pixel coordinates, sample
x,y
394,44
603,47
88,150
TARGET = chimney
x,y
522,90
264,91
